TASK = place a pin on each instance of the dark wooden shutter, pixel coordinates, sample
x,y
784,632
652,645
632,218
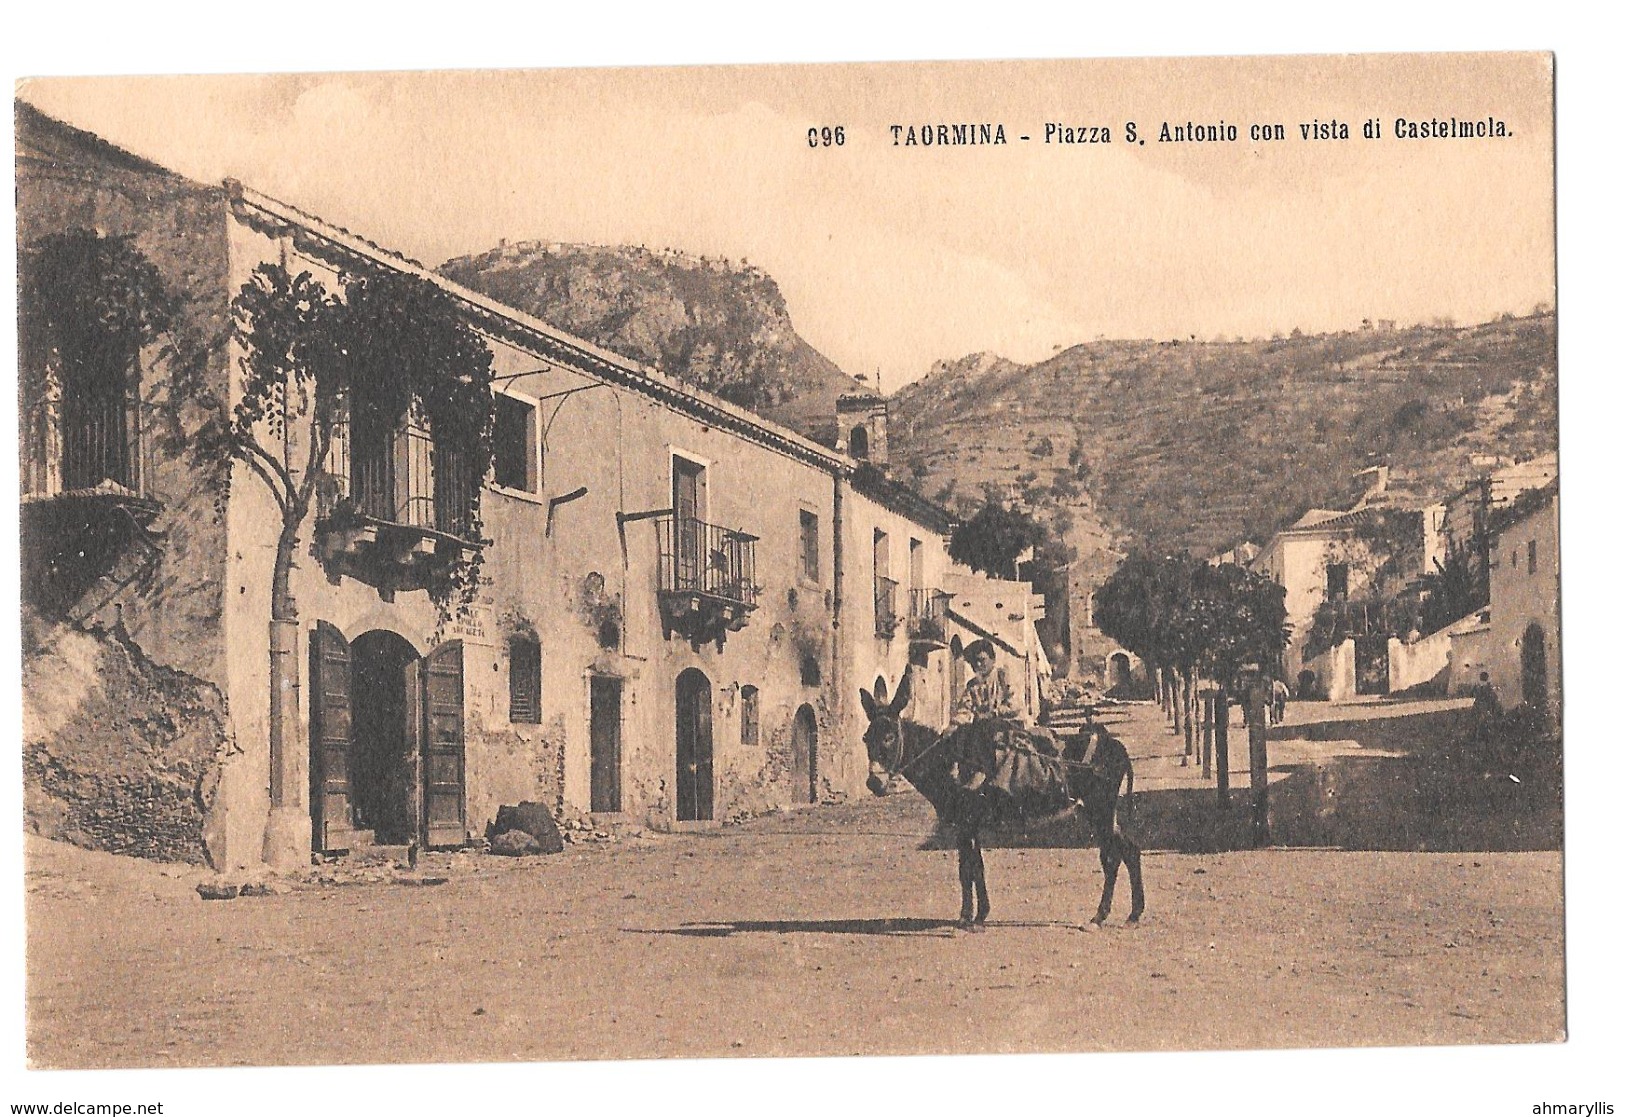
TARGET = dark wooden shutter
x,y
694,768
686,482
750,716
331,825
510,442
703,774
606,744
444,822
809,546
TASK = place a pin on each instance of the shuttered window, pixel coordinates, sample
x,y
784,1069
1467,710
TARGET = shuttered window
x,y
513,445
524,679
750,716
809,546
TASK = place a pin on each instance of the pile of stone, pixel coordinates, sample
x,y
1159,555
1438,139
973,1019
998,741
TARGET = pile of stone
x,y
524,830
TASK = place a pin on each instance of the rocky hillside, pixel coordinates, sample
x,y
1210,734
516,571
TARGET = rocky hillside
x,y
1203,444
717,324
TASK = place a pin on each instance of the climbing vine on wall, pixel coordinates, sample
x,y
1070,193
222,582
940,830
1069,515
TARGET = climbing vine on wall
x,y
387,347
87,304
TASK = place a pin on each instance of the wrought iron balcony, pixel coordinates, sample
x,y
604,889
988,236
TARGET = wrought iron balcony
x,y
927,616
85,514
394,502
707,579
886,618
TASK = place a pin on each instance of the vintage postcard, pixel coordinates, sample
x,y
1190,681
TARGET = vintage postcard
x,y
890,559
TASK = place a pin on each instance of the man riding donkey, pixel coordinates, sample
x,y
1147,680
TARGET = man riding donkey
x,y
991,766
996,750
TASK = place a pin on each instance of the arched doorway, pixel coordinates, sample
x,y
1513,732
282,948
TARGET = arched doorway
x,y
1119,673
383,745
386,742
858,444
804,756
694,790
1534,666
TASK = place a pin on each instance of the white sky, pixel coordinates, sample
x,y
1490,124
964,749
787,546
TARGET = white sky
x,y
892,258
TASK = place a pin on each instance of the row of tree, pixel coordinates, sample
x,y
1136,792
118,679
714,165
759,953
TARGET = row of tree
x,y
1190,620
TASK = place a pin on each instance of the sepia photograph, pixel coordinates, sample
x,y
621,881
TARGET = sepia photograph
x,y
758,562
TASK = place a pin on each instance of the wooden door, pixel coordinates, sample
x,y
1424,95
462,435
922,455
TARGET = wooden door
x,y
694,793
330,816
444,819
605,731
1533,657
688,501
803,753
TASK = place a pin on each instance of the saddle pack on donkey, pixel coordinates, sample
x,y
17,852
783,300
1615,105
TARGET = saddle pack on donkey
x,y
1025,772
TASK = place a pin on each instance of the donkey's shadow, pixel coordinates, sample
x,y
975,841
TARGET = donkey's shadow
x,y
892,926
901,926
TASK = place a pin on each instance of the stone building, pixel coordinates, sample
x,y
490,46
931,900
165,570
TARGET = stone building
x,y
676,603
1096,658
898,598
1522,650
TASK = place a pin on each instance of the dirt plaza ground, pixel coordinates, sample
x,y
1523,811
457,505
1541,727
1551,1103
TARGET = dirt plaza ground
x,y
1393,910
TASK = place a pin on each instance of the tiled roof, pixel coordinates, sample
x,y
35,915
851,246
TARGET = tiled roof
x,y
533,333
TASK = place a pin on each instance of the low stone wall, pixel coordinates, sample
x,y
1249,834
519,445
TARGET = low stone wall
x,y
1411,665
1334,672
119,753
1471,651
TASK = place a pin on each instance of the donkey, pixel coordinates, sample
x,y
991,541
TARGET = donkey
x,y
1095,774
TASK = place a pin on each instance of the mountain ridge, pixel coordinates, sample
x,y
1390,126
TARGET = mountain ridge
x,y
1179,445
720,325
1200,445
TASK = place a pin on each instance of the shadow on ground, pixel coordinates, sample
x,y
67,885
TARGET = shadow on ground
x,y
901,926
1402,783
936,928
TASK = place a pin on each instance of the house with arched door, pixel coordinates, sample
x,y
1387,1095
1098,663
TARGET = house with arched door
x,y
665,603
1521,650
651,627
654,634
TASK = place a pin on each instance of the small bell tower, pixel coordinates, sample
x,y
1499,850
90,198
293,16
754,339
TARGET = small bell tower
x,y
860,423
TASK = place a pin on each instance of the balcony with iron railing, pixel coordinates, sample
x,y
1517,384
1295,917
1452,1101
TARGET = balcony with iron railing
x,y
927,616
886,618
707,578
86,513
395,503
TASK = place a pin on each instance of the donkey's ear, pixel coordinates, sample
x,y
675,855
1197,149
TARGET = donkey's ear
x,y
869,706
905,691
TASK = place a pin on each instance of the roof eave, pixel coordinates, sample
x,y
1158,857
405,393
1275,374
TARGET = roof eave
x,y
533,333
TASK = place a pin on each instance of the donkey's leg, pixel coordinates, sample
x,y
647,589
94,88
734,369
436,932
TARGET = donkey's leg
x,y
982,905
967,876
1110,859
1131,858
